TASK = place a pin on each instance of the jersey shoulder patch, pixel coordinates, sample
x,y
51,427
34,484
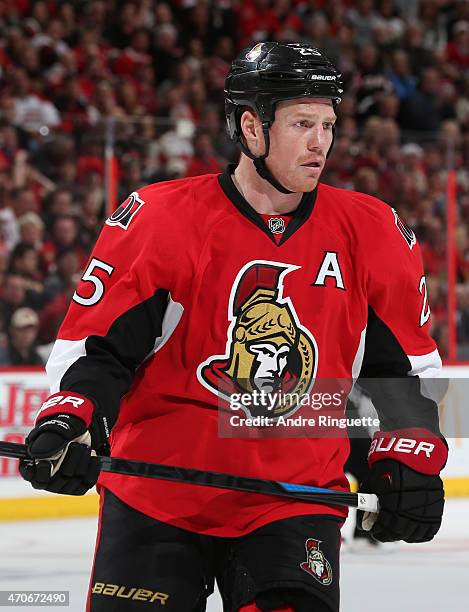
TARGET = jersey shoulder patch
x,y
405,230
123,215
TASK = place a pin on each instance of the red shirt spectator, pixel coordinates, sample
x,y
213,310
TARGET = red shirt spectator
x,y
64,236
457,50
203,161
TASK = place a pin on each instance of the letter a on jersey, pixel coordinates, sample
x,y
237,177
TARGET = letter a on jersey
x,y
330,268
267,350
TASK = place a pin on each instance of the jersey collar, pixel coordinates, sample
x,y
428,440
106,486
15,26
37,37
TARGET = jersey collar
x,y
299,216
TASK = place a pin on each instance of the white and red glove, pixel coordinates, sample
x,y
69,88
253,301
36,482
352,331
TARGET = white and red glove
x,y
404,473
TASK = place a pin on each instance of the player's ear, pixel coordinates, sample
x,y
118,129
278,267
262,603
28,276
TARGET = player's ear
x,y
251,129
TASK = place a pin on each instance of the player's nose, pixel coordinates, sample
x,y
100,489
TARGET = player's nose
x,y
317,138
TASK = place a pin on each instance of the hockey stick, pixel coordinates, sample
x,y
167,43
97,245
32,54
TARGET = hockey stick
x,y
128,467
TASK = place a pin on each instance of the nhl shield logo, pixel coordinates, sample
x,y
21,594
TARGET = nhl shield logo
x,y
268,351
126,211
277,225
316,564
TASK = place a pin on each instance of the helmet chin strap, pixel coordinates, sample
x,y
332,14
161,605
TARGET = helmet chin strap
x,y
259,162
265,173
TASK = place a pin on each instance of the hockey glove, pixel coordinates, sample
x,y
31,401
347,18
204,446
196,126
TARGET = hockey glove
x,y
62,460
404,473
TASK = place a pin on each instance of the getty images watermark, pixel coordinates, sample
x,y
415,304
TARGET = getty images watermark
x,y
296,414
335,407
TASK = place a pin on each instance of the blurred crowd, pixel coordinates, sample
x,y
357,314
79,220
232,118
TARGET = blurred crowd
x,y
147,78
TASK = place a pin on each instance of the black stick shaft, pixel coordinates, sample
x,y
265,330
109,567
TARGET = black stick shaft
x,y
13,450
129,467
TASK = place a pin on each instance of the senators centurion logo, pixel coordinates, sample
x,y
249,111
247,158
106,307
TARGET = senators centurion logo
x,y
267,349
126,211
316,564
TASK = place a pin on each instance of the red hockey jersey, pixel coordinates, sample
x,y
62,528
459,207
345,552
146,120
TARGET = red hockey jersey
x,y
189,293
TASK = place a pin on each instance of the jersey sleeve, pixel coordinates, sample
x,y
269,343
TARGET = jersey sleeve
x,y
399,353
116,316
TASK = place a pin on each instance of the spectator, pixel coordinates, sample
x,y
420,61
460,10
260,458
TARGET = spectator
x,y
257,21
285,18
103,103
31,229
9,145
223,146
412,162
24,260
402,80
91,210
22,348
422,110
122,24
24,201
462,105
131,178
420,57
52,316
195,56
372,80
366,181
58,203
51,42
433,24
31,112
389,19
457,50
204,160
13,295
71,101
137,54
167,53
64,235
9,233
317,32
65,276
363,19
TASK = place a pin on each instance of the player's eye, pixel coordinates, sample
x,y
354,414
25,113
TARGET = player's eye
x,y
328,125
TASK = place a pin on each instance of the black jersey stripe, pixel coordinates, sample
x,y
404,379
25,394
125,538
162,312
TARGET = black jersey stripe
x,y
386,374
104,373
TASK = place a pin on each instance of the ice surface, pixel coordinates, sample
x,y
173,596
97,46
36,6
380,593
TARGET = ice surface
x,y
57,555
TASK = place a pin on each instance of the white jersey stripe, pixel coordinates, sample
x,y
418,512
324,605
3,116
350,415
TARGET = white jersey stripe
x,y
172,316
64,354
426,366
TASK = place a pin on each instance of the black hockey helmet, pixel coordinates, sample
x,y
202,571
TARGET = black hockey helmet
x,y
267,73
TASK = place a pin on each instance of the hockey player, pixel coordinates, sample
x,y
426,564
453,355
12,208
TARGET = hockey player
x,y
261,278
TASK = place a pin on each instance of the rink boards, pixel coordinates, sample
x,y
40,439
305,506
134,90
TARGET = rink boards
x,y
22,391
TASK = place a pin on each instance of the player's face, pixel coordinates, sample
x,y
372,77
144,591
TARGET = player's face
x,y
300,138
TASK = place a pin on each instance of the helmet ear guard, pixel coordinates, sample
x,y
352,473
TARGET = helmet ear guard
x,y
264,75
